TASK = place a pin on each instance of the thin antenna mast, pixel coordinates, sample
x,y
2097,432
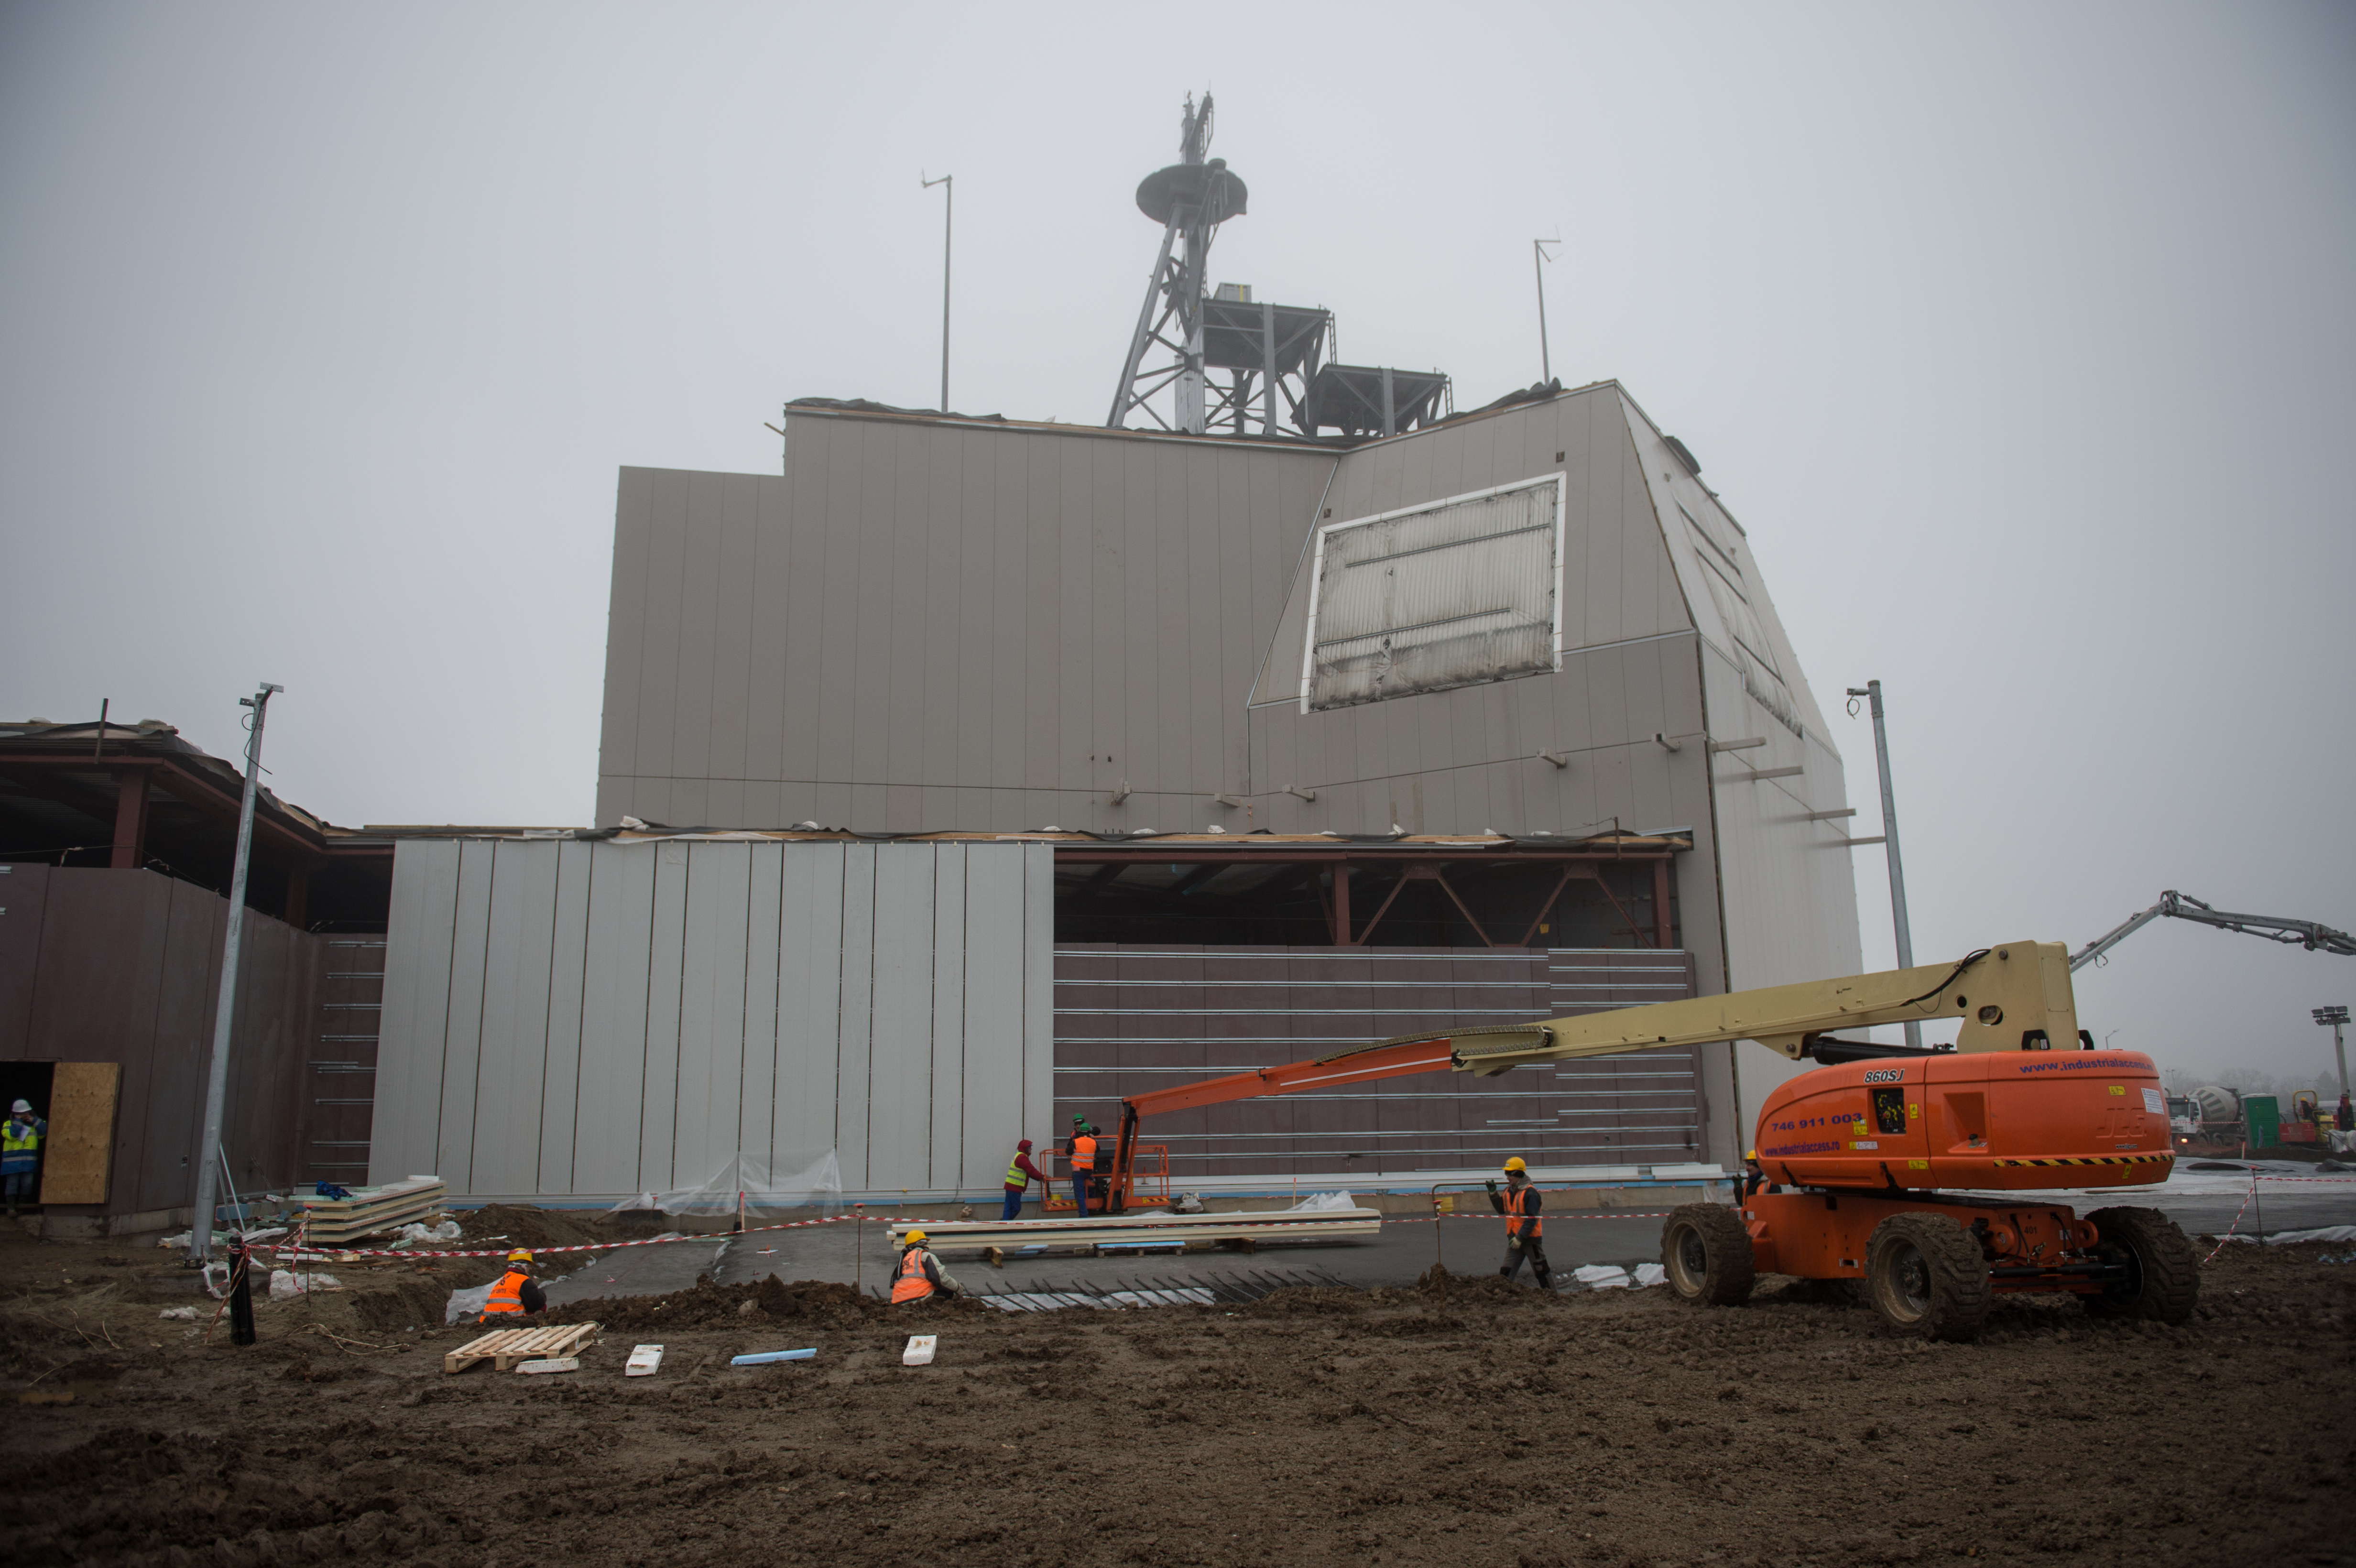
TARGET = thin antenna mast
x,y
1546,354
948,215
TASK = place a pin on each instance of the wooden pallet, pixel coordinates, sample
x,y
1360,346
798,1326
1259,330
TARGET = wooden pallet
x,y
505,1348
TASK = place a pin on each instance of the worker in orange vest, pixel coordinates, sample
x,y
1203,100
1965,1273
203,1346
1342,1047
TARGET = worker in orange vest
x,y
920,1276
1080,1148
1752,1179
1520,1203
516,1294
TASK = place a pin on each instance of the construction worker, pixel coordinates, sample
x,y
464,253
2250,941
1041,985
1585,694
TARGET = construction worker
x,y
1752,1179
516,1294
1080,1149
1520,1203
920,1276
20,1154
2347,1114
1019,1173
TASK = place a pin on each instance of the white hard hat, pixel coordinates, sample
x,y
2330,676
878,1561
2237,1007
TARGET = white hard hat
x,y
22,1107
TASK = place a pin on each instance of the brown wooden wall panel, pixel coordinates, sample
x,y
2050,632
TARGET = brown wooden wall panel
x,y
1132,1018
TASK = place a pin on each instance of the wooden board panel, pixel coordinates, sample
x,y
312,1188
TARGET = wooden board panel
x,y
81,1153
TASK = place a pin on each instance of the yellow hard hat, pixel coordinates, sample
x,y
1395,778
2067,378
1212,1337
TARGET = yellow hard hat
x,y
913,1238
1518,1163
519,1256
1750,1154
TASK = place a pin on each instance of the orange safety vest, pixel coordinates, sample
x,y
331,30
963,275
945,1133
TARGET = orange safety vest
x,y
1083,1155
508,1295
1519,1222
912,1284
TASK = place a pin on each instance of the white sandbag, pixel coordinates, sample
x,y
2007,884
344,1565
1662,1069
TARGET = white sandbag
x,y
285,1285
1601,1276
1650,1275
466,1304
413,1234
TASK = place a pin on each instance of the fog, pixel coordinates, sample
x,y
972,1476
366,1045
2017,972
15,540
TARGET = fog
x,y
2018,337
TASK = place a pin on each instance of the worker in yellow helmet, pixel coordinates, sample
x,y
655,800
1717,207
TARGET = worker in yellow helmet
x,y
1752,1179
515,1295
920,1276
1520,1203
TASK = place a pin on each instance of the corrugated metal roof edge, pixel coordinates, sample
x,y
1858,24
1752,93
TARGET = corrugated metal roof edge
x,y
1327,444
1674,839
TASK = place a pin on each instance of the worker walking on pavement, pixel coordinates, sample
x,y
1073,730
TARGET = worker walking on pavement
x,y
920,1276
1520,1203
516,1295
1080,1149
20,1154
1020,1174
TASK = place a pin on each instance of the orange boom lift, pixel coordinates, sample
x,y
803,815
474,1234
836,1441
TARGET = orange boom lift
x,y
1871,1145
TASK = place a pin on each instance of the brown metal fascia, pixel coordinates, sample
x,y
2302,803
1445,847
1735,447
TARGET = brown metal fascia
x,y
203,794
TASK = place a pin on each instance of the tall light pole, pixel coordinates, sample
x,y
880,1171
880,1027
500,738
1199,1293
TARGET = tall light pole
x,y
1538,265
949,216
201,1228
2337,1017
1871,692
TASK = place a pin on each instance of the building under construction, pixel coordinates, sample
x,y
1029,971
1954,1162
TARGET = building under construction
x,y
969,773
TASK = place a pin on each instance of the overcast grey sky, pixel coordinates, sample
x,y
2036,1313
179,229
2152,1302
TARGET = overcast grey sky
x,y
2017,337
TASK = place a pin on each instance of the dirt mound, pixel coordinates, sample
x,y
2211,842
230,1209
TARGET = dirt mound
x,y
410,1301
521,1225
811,1303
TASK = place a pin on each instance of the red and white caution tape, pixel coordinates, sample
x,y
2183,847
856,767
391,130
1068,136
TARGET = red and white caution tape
x,y
2237,1220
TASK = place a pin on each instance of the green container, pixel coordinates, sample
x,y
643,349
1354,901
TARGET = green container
x,y
2262,1120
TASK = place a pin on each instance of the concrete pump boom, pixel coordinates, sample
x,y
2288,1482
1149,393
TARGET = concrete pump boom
x,y
2306,933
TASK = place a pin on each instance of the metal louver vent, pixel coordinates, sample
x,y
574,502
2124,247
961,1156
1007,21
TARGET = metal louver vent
x,y
1449,593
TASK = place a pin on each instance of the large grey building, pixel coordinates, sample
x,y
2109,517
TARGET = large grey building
x,y
1492,717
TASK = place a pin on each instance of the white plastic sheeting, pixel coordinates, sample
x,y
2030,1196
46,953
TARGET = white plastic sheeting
x,y
813,1183
1426,598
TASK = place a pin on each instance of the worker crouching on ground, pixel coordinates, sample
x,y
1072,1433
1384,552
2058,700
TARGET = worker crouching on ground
x,y
516,1294
920,1277
1520,1203
1019,1177
20,1154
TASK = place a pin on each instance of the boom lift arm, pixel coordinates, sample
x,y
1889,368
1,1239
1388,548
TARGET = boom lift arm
x,y
2012,998
2306,933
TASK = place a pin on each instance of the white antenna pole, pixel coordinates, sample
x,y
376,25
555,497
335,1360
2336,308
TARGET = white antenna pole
x,y
200,1226
1546,354
948,215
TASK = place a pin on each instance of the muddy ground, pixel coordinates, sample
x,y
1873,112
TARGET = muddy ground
x,y
1463,1422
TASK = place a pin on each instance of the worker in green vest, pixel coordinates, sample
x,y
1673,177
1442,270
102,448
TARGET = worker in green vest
x,y
20,1154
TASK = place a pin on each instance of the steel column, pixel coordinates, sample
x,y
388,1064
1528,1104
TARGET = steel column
x,y
1661,931
130,819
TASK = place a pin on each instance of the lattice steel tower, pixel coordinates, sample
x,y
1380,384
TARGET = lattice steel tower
x,y
1190,200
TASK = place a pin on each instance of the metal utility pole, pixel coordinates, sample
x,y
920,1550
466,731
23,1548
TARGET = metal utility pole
x,y
1546,354
2337,1017
1190,200
1871,692
200,1227
948,215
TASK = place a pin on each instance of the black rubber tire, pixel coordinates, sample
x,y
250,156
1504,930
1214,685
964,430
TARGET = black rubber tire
x,y
1924,1274
1706,1252
2164,1272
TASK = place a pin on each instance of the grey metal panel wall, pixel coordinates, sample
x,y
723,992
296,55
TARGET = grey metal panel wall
x,y
892,1002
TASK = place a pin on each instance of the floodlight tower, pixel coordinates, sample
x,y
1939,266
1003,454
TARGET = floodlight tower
x,y
1190,200
2335,1019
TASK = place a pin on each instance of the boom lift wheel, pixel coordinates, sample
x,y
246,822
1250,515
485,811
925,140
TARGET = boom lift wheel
x,y
1925,1276
1706,1252
2163,1272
